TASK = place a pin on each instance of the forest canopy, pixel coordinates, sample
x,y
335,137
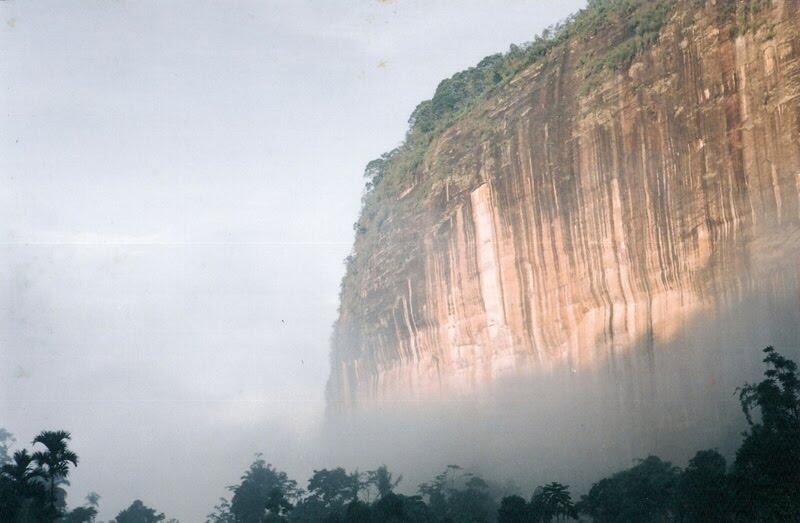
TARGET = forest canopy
x,y
761,484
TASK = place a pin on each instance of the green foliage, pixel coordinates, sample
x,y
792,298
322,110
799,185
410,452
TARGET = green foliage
x,y
631,25
382,480
329,492
513,509
747,11
80,515
636,23
54,462
703,494
763,484
138,512
396,508
472,503
605,36
553,501
222,513
458,496
643,493
22,490
264,494
766,472
358,512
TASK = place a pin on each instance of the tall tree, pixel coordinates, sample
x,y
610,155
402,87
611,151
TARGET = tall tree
x,y
553,501
261,485
643,493
702,494
766,471
21,489
23,473
471,503
54,460
329,492
436,492
513,509
383,480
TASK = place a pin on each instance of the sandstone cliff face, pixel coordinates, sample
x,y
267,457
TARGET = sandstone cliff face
x,y
552,230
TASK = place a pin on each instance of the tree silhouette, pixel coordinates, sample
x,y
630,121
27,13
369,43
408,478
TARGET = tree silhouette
x,y
222,513
702,494
763,484
472,503
553,501
23,473
21,488
80,515
358,512
262,485
54,460
643,493
138,512
277,504
383,480
766,471
513,509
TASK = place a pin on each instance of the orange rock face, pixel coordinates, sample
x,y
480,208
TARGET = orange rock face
x,y
555,231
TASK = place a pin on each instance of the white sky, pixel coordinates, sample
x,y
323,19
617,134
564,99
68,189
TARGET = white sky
x,y
178,185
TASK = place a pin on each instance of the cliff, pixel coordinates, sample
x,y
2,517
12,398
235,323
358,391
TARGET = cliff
x,y
633,174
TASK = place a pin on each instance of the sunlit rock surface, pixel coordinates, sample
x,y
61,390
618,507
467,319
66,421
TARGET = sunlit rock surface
x,y
625,237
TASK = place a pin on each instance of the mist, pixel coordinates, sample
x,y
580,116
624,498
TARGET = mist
x,y
179,184
668,399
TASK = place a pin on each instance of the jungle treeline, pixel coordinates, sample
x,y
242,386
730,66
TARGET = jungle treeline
x,y
761,484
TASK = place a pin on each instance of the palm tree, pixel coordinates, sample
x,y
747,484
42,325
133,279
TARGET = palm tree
x,y
558,498
383,480
21,489
20,473
55,459
553,501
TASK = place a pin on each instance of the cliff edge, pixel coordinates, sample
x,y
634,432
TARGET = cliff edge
x,y
589,197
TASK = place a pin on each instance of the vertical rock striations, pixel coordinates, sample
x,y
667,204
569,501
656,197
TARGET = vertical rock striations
x,y
572,216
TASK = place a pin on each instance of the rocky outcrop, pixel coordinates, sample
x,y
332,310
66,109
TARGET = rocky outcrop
x,y
555,228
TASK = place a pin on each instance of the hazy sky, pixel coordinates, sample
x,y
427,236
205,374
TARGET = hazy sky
x,y
179,184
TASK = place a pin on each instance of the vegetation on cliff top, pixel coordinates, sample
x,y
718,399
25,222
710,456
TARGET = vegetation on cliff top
x,y
620,28
630,26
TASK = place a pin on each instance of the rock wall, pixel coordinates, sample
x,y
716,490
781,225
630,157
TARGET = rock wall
x,y
552,230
